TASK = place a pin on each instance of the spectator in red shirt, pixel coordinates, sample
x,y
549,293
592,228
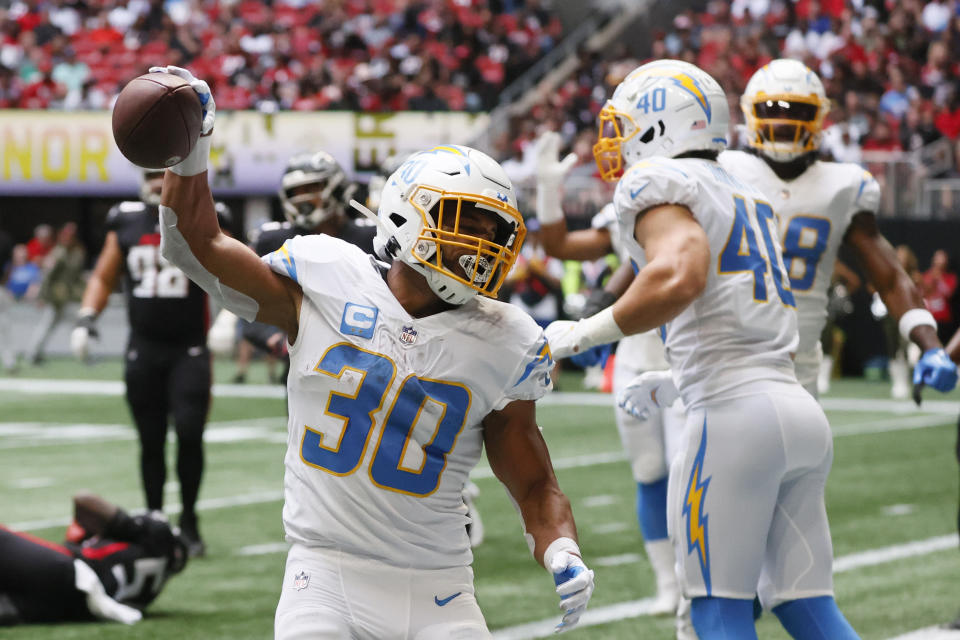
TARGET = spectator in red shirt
x,y
40,244
939,283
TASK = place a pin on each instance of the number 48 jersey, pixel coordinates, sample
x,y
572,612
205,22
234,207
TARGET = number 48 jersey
x,y
163,305
743,326
386,409
814,210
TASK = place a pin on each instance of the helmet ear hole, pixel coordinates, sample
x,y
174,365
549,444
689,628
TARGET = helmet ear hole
x,y
647,135
397,220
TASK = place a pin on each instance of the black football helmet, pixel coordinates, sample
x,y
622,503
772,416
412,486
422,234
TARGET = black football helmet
x,y
314,189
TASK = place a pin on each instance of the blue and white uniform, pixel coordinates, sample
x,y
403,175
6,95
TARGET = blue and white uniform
x,y
385,426
745,501
814,210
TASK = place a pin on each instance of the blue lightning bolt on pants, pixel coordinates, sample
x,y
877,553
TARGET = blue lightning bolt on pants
x,y
745,502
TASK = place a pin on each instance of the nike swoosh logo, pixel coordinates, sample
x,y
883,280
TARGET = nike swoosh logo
x,y
440,602
636,192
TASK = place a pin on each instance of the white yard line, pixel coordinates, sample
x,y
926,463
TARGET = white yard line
x,y
558,398
209,504
116,388
931,633
637,608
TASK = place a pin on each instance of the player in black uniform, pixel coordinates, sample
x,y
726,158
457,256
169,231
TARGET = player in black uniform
x,y
111,566
167,362
314,192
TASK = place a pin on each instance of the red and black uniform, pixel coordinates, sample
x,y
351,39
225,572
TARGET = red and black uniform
x,y
167,363
133,558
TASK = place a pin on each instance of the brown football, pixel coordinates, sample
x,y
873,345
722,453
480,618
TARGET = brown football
x,y
156,120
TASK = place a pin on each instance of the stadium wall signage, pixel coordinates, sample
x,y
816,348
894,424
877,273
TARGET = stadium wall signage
x,y
69,154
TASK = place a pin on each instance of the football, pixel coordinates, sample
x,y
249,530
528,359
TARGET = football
x,y
156,120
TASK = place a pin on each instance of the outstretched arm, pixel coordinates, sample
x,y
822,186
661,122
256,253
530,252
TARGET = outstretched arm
x,y
520,460
904,301
585,244
896,289
225,268
678,261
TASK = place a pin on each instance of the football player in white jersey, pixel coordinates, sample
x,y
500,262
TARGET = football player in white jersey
x,y
822,205
399,375
746,496
644,440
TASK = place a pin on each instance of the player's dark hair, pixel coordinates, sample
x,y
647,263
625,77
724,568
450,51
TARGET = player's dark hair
x,y
703,154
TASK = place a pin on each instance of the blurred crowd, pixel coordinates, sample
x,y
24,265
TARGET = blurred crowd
x,y
372,55
887,67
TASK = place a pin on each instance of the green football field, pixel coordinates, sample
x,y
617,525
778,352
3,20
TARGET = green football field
x,y
892,499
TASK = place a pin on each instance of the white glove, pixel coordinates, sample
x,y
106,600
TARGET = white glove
x,y
223,333
649,392
196,162
98,602
80,336
568,337
550,174
574,582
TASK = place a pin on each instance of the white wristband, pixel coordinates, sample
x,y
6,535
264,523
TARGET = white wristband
x,y
600,328
914,318
196,162
560,544
549,208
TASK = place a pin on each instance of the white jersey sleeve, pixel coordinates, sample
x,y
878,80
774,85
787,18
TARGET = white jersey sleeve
x,y
531,379
649,183
310,260
868,194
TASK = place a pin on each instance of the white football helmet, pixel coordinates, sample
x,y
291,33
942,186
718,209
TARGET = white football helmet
x,y
663,108
419,218
314,188
151,183
784,105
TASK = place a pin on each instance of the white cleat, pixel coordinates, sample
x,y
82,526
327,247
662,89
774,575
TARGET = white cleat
x,y
685,630
660,555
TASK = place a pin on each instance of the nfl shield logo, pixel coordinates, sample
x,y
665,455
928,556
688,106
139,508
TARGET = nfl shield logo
x,y
301,581
408,335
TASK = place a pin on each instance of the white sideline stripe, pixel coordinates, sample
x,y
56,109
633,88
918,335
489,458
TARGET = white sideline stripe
x,y
263,549
894,552
211,504
615,561
930,633
636,608
117,388
557,398
890,424
27,435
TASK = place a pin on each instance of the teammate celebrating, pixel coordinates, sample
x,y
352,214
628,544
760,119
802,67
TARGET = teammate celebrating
x,y
111,567
712,277
822,205
167,364
644,439
409,353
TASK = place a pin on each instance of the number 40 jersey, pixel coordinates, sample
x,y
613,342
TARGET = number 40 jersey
x,y
386,409
814,210
743,327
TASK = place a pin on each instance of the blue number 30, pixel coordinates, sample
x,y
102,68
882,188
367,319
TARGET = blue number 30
x,y
356,411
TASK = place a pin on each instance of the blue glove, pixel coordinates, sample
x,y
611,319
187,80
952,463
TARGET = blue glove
x,y
592,356
936,370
